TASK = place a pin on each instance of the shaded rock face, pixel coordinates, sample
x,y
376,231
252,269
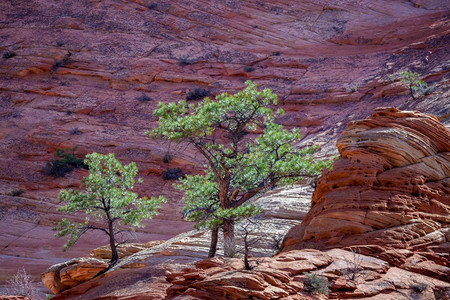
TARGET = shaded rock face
x,y
388,193
90,73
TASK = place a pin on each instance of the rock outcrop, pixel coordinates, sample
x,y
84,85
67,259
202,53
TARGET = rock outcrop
x,y
388,194
285,276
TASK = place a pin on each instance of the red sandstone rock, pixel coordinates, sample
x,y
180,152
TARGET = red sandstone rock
x,y
372,279
310,52
388,192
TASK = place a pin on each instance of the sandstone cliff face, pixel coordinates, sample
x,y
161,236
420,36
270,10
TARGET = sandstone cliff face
x,y
86,65
388,194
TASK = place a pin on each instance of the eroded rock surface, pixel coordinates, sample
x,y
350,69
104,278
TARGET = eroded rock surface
x,y
89,74
283,276
388,193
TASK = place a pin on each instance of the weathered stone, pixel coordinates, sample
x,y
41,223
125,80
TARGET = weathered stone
x,y
389,189
65,275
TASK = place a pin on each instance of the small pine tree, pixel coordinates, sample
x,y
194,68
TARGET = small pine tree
x,y
109,204
413,82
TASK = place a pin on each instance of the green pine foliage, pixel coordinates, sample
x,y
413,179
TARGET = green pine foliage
x,y
108,201
246,152
414,83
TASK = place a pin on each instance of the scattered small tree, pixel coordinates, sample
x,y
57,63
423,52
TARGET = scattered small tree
x,y
413,82
109,204
246,152
247,228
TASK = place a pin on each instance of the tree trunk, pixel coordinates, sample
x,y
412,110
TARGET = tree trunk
x,y
228,238
246,264
214,239
411,90
112,244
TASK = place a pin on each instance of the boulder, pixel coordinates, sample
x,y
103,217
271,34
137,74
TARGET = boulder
x,y
71,273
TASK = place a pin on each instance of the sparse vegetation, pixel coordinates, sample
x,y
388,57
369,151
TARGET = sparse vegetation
x,y
197,93
414,83
109,203
152,6
167,158
354,264
22,285
351,89
9,54
17,193
316,284
69,112
61,63
172,174
248,227
59,43
143,98
276,53
418,287
184,61
249,69
64,163
75,131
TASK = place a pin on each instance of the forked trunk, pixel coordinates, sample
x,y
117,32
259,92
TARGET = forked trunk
x,y
214,239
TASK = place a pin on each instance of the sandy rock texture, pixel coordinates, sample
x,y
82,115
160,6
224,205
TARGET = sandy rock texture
x,y
89,74
284,276
388,193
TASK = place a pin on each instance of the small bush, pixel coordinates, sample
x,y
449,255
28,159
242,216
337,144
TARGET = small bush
x,y
172,174
197,93
152,6
351,89
414,83
63,164
277,53
59,43
143,98
69,112
249,69
167,158
419,287
316,284
184,61
9,54
22,285
75,131
17,193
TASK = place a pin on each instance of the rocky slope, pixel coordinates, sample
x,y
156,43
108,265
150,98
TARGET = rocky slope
x,y
388,194
89,74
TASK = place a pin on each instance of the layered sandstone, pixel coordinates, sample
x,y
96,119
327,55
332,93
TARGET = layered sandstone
x,y
74,74
388,194
284,276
